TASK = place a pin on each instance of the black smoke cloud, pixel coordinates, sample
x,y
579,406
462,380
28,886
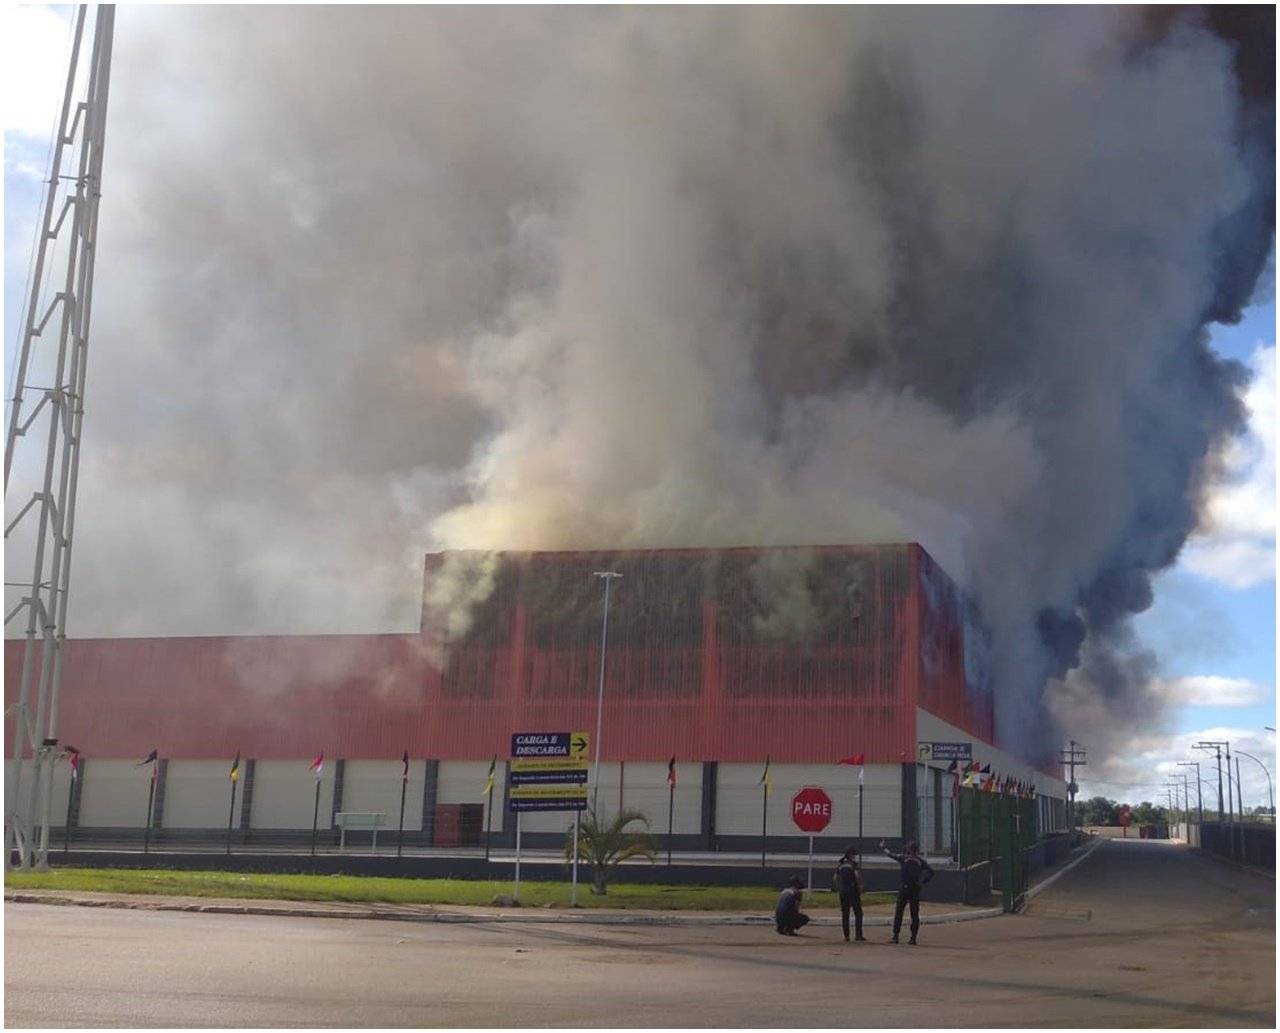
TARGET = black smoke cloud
x,y
374,281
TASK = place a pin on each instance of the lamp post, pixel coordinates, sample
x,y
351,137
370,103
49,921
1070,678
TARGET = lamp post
x,y
1199,790
1271,798
1217,748
608,576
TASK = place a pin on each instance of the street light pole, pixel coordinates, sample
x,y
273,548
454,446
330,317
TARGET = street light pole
x,y
1271,798
1217,748
608,576
1199,789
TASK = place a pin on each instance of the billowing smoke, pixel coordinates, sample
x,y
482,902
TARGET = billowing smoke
x,y
374,281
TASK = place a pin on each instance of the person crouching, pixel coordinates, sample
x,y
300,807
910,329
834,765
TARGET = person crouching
x,y
787,915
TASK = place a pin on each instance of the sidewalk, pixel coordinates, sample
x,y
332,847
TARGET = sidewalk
x,y
873,914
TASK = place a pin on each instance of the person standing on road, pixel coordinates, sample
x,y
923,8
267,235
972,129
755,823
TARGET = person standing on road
x,y
787,915
915,873
848,883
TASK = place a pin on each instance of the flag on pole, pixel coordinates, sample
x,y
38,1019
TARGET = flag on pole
x,y
235,767
860,759
73,755
671,772
317,766
968,780
404,775
150,758
975,766
488,782
766,779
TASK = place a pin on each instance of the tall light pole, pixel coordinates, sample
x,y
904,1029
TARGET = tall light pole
x,y
1271,798
1199,791
608,576
1217,749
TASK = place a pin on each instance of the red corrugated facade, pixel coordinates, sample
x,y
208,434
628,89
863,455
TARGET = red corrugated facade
x,y
801,655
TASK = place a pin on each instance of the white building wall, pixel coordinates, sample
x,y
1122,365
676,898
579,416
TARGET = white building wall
x,y
197,794
61,787
115,794
284,795
374,787
741,804
462,781
644,788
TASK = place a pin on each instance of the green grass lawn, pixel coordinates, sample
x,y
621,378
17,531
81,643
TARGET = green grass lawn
x,y
253,886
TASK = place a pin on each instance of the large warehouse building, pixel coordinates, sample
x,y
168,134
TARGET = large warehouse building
x,y
756,670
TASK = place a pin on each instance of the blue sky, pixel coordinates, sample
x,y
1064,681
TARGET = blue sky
x,y
1213,624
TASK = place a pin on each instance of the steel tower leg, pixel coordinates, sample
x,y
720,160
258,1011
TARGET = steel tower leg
x,y
56,382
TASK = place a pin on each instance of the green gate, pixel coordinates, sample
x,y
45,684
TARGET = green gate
x,y
999,830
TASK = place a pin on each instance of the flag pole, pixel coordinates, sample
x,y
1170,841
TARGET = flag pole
x,y
671,812
315,819
573,896
151,797
764,822
404,788
488,824
859,812
231,815
66,832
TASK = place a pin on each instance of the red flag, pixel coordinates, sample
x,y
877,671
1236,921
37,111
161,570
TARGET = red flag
x,y
317,765
860,759
671,772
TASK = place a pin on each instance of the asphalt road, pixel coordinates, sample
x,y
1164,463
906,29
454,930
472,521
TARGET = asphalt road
x,y
1142,933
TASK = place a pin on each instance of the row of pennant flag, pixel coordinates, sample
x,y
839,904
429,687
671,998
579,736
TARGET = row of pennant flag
x,y
969,775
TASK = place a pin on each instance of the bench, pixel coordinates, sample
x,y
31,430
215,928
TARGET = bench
x,y
358,820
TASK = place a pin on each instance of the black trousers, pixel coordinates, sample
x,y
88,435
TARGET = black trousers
x,y
791,922
907,894
851,902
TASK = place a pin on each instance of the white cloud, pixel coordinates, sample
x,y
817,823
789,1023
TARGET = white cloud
x,y
1236,544
34,51
1209,690
1148,765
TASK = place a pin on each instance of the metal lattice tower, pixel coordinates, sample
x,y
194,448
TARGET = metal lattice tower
x,y
49,397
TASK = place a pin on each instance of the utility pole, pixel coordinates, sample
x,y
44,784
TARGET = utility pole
x,y
1223,814
1071,757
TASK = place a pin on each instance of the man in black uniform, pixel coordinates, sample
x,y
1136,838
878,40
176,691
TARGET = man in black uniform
x,y
848,883
915,873
787,915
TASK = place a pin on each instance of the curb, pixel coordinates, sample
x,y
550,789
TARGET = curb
x,y
538,915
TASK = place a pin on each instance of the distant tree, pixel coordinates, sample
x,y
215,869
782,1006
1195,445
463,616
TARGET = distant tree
x,y
606,845
1097,811
1147,813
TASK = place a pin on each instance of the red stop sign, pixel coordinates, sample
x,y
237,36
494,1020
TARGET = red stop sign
x,y
811,809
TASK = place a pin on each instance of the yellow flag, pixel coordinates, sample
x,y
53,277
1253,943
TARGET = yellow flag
x,y
488,785
766,779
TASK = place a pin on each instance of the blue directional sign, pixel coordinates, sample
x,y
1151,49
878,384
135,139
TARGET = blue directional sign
x,y
549,744
548,771
926,751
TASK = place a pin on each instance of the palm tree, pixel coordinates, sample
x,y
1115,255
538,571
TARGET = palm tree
x,y
605,846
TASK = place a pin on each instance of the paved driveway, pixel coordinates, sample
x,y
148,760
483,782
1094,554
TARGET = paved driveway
x,y
1141,933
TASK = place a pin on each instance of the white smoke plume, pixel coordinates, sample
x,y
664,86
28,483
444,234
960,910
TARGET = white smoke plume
x,y
374,281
